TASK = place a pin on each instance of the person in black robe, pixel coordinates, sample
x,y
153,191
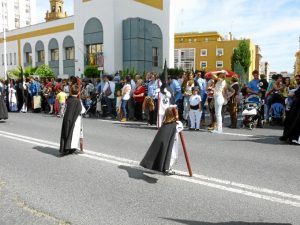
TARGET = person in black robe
x,y
163,152
3,108
69,128
291,132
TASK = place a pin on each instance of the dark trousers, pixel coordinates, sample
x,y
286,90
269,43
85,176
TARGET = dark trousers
x,y
233,113
138,111
153,114
179,104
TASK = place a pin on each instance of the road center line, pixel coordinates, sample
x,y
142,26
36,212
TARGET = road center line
x,y
239,188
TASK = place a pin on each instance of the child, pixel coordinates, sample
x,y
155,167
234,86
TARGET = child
x,y
118,104
195,109
163,152
61,97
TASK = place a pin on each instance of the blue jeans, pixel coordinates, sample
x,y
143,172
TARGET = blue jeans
x,y
124,108
203,100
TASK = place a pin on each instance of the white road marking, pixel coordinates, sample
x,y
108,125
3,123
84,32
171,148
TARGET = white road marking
x,y
144,124
248,190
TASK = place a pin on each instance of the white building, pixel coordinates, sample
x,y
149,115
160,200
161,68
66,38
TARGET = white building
x,y
17,13
113,34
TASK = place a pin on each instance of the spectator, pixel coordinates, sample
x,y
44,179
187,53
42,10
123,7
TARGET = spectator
x,y
125,97
139,96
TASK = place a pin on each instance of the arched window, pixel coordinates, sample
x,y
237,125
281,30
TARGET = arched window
x,y
93,41
27,55
40,53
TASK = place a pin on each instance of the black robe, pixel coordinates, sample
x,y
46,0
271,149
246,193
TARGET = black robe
x,y
72,112
3,110
159,154
292,121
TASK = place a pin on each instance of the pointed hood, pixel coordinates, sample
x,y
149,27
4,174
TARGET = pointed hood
x,y
164,75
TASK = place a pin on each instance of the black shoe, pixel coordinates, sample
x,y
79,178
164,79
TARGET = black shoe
x,y
169,172
282,138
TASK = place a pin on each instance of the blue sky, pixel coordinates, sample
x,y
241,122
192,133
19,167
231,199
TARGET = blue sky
x,y
274,25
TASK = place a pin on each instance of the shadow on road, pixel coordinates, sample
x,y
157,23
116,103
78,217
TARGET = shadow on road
x,y
191,222
48,150
262,139
139,174
138,126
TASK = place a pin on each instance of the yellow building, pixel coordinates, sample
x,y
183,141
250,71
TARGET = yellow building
x,y
207,51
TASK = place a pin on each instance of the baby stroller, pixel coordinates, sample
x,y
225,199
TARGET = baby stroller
x,y
277,110
91,106
252,112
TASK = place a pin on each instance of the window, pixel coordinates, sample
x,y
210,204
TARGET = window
x,y
181,40
10,59
219,64
195,39
206,39
220,51
155,57
190,40
70,53
54,54
185,58
203,64
203,52
15,58
28,57
41,56
94,48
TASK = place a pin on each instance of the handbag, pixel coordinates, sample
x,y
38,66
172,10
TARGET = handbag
x,y
36,102
108,91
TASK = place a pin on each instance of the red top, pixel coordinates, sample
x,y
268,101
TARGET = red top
x,y
139,90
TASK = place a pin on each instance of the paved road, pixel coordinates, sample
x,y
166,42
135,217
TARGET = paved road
x,y
240,177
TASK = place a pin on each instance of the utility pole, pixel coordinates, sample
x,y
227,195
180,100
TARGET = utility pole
x,y
4,40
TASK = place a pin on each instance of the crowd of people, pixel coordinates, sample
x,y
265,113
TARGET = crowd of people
x,y
146,98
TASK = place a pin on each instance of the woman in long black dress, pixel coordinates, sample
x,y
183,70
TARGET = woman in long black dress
x,y
291,131
3,108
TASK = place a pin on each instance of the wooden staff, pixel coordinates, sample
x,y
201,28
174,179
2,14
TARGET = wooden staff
x,y
184,146
158,104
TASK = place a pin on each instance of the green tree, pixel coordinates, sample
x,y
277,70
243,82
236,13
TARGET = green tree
x,y
14,73
44,71
91,72
28,71
241,60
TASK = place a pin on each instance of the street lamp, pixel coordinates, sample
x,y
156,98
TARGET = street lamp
x,y
4,41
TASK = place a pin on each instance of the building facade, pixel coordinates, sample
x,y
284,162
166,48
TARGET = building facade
x,y
17,13
109,34
297,63
207,51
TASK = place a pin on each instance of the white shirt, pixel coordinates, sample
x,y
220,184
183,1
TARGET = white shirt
x,y
195,100
220,85
126,95
112,88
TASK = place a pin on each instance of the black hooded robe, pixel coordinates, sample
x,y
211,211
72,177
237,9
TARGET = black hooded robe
x,y
158,155
72,112
292,122
3,110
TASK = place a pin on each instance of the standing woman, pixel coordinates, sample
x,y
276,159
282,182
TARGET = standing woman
x,y
139,96
219,100
125,97
234,101
72,129
3,108
12,97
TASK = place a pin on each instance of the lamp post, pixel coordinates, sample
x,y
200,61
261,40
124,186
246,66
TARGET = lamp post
x,y
4,41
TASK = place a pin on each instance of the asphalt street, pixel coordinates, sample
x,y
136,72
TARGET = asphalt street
x,y
241,177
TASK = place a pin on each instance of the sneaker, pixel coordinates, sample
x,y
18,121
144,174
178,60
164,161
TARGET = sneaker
x,y
197,129
123,120
216,131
